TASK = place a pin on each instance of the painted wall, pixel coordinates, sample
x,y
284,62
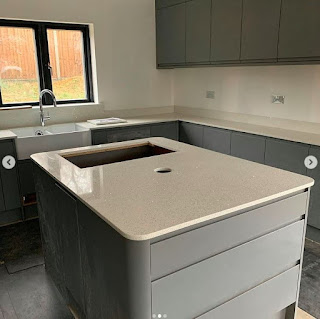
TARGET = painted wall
x,y
248,90
124,44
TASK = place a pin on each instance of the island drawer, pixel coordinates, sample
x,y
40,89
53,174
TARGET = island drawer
x,y
216,280
269,298
178,252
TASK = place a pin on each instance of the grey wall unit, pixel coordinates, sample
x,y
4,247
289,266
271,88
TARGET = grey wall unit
x,y
299,29
260,29
314,206
286,155
248,146
168,130
226,30
191,133
171,29
216,139
198,22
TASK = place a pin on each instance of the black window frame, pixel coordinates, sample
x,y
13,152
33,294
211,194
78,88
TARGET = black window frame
x,y
43,58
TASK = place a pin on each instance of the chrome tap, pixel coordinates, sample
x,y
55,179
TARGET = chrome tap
x,y
44,118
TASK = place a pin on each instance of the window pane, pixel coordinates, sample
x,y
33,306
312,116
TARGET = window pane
x,y
67,63
18,65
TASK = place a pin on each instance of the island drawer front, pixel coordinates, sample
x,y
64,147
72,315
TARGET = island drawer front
x,y
127,134
268,298
190,292
183,250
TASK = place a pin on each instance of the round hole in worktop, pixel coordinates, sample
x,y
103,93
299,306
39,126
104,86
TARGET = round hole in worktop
x,y
163,170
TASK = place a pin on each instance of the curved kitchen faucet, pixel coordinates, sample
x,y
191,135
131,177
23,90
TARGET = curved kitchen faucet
x,y
44,118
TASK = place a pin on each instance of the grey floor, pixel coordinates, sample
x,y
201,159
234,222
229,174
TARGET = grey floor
x,y
31,294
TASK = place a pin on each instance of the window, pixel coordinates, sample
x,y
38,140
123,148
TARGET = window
x,y
36,56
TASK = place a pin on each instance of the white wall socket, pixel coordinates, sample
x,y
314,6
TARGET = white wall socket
x,y
210,95
278,99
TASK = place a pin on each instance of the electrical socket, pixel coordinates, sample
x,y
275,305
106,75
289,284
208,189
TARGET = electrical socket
x,y
278,99
210,95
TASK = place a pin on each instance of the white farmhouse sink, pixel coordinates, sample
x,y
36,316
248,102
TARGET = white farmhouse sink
x,y
31,140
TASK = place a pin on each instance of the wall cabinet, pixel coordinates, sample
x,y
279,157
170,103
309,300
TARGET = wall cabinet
x,y
191,133
168,130
299,29
198,22
260,29
216,139
171,29
248,146
226,30
286,155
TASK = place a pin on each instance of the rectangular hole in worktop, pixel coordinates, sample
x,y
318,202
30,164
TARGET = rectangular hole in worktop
x,y
121,154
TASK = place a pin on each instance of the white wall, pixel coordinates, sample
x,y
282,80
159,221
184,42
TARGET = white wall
x,y
124,42
248,90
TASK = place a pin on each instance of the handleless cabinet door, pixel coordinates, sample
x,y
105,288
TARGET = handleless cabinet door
x,y
226,30
10,182
299,29
128,133
171,32
191,133
168,130
286,155
216,139
260,29
167,3
249,147
198,24
99,137
314,206
2,206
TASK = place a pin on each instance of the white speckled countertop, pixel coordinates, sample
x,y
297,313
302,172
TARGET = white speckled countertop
x,y
142,204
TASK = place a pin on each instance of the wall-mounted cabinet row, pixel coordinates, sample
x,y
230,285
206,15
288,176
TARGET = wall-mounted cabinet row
x,y
193,32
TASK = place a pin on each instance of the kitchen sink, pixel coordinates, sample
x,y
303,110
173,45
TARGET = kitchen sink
x,y
120,154
38,139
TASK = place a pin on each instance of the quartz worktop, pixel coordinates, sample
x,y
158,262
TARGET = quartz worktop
x,y
285,134
142,204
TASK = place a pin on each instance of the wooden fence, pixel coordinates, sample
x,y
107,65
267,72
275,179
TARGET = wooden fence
x,y
18,53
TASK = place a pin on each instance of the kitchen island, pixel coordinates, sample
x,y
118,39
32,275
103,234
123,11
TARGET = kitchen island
x,y
155,228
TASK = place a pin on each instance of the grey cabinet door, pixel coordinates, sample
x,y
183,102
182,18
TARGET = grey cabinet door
x,y
198,24
10,183
286,155
249,147
128,133
2,205
191,133
216,139
226,30
99,137
299,29
167,130
167,3
314,205
171,32
260,29
27,185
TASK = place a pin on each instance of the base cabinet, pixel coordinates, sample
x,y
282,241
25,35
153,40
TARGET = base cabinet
x,y
217,140
191,133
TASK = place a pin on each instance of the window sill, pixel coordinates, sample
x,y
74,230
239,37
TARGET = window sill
x,y
67,105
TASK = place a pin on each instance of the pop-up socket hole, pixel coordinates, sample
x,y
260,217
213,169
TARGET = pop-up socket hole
x,y
163,170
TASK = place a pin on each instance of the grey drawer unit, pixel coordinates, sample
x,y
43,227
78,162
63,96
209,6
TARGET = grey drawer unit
x,y
214,281
226,30
10,184
268,298
171,34
168,130
260,29
178,252
191,133
248,146
299,29
286,155
314,206
167,3
128,133
216,139
198,33
99,137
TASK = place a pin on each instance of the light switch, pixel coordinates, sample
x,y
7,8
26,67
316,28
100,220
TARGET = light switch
x,y
210,95
278,99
